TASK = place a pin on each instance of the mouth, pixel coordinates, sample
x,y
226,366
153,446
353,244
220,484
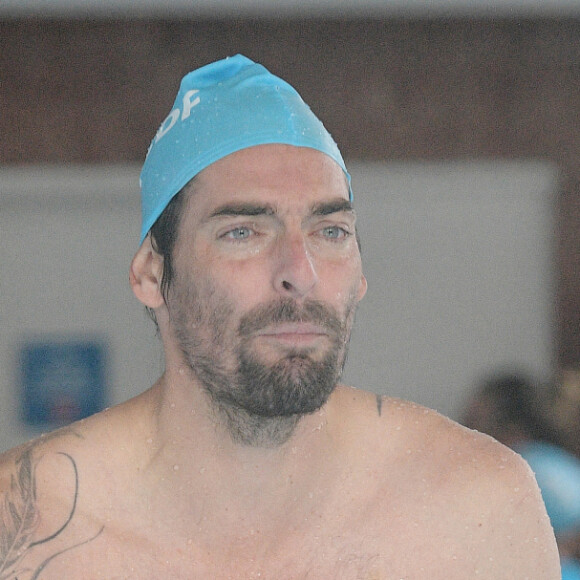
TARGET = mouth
x,y
295,334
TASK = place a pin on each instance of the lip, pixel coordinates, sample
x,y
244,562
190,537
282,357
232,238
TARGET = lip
x,y
293,332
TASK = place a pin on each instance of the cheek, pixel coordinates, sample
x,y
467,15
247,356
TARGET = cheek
x,y
242,283
206,314
344,282
224,300
219,306
195,299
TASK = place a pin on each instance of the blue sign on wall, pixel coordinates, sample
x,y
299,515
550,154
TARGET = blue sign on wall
x,y
62,381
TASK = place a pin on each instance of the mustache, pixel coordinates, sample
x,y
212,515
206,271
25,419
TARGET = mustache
x,y
312,311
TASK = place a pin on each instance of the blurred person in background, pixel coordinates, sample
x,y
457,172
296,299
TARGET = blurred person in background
x,y
506,406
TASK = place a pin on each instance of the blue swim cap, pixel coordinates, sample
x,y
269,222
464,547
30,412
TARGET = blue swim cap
x,y
223,107
558,476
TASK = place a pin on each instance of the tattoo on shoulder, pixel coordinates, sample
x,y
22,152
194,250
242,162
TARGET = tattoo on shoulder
x,y
379,404
19,519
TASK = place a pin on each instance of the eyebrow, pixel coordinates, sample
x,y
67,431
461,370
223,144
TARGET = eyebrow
x,y
330,207
242,209
257,209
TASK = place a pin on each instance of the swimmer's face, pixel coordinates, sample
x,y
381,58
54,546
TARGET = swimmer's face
x,y
267,266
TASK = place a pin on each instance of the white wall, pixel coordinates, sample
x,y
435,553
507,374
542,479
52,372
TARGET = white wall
x,y
66,239
458,258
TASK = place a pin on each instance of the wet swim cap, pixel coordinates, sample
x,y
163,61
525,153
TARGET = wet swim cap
x,y
558,476
223,107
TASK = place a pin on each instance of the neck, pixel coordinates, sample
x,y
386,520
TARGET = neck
x,y
197,468
190,428
254,431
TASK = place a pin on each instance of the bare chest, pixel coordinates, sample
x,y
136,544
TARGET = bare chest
x,y
356,550
359,565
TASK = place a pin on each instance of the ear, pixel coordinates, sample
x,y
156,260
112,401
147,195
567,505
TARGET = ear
x,y
362,287
145,275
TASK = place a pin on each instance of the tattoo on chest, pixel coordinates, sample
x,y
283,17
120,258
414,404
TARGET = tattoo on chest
x,y
379,404
19,519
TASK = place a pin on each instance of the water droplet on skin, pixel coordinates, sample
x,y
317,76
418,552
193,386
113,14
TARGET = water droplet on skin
x,y
176,468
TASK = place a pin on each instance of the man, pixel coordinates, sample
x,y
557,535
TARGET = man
x,y
246,459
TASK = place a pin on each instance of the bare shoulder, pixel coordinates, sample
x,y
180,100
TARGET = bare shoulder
x,y
39,487
18,466
42,458
52,490
394,429
481,497
92,447
496,490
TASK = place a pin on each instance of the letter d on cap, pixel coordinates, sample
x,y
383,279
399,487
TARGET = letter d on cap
x,y
167,125
173,117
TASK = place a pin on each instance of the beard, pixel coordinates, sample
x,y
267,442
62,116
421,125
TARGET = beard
x,y
298,383
261,402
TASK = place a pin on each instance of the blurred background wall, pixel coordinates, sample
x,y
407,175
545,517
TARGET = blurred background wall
x,y
80,85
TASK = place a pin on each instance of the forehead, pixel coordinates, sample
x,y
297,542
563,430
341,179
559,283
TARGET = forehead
x,y
287,177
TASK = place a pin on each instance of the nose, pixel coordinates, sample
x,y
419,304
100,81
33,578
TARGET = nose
x,y
295,273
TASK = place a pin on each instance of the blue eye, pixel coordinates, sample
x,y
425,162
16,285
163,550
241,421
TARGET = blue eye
x,y
240,233
334,232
